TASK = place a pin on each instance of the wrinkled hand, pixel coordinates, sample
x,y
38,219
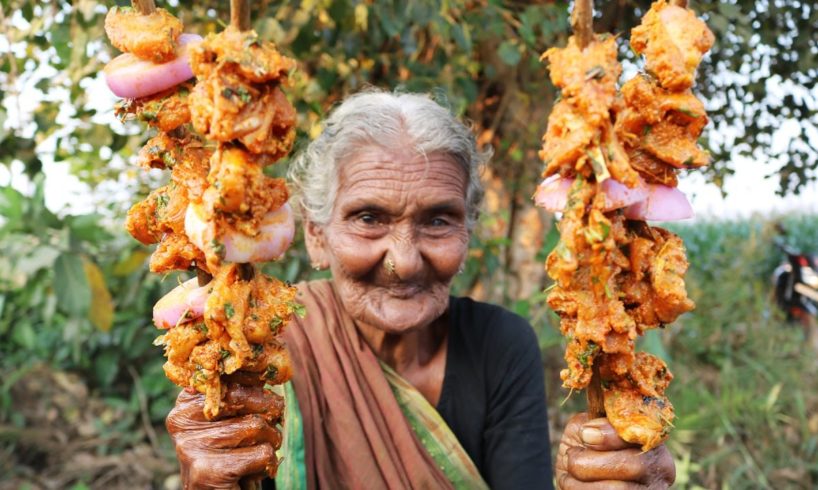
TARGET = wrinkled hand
x,y
592,456
217,454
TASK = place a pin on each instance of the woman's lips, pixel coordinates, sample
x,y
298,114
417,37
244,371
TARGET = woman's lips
x,y
403,291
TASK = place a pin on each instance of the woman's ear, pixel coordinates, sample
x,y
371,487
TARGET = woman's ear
x,y
316,244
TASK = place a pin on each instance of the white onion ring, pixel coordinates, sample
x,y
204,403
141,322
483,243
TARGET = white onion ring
x,y
276,232
184,303
552,193
663,203
130,77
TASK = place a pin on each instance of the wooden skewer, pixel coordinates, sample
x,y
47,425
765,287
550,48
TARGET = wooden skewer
x,y
582,22
240,14
144,7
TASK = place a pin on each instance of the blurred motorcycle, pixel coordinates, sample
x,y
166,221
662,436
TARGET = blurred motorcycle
x,y
796,288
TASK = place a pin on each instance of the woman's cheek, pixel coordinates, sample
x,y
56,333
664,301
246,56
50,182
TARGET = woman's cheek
x,y
355,255
447,255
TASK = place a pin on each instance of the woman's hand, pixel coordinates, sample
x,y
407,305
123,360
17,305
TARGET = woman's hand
x,y
217,454
592,456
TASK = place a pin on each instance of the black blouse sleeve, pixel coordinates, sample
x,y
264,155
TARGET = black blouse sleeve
x,y
516,444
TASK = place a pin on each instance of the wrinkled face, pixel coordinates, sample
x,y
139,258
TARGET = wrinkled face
x,y
395,210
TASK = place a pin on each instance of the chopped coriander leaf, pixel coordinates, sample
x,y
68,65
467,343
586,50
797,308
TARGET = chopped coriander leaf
x,y
297,308
587,355
229,311
218,248
224,353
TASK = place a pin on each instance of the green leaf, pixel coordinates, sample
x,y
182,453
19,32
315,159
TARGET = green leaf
x,y
71,285
101,311
24,336
509,53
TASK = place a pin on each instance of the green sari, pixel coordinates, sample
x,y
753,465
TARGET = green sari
x,y
428,425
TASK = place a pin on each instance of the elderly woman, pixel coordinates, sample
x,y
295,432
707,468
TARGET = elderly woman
x,y
396,383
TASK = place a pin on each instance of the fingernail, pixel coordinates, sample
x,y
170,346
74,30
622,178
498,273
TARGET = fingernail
x,y
591,435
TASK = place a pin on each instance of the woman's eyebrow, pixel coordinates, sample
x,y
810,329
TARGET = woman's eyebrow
x,y
360,207
450,207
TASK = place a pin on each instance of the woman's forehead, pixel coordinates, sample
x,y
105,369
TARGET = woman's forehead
x,y
381,175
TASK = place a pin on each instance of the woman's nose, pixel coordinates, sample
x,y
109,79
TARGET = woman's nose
x,y
404,257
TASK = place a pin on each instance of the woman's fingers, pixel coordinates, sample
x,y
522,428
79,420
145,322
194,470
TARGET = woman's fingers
x,y
569,483
625,465
242,400
600,435
214,470
591,453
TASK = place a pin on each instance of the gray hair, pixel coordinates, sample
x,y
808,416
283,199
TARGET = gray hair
x,y
382,119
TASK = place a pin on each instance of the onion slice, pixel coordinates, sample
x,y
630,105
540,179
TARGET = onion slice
x,y
130,77
184,303
552,193
276,233
663,203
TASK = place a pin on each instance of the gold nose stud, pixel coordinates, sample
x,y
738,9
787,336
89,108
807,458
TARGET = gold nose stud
x,y
389,265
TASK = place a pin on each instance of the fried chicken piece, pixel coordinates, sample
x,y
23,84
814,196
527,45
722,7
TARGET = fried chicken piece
x,y
180,340
660,128
191,170
272,302
207,361
672,144
635,404
587,77
673,41
654,104
141,221
241,53
563,261
667,277
654,289
239,188
566,139
238,199
651,169
151,37
617,158
176,253
270,363
224,107
164,111
162,151
225,311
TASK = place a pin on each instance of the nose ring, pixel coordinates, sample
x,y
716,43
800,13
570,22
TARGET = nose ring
x,y
389,265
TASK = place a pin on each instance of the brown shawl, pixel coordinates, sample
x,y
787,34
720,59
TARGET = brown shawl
x,y
355,434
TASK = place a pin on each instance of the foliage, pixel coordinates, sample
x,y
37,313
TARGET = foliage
x,y
75,295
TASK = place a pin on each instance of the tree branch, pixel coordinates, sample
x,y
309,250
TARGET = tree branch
x,y
144,7
240,14
582,22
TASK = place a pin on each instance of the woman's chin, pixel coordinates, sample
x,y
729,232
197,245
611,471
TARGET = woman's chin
x,y
403,315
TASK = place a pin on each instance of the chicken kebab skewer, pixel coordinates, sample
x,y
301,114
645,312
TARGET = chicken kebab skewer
x,y
219,214
611,158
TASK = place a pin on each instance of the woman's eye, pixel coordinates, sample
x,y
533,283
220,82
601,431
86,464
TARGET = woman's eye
x,y
368,218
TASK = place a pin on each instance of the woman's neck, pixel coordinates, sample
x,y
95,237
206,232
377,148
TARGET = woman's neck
x,y
409,351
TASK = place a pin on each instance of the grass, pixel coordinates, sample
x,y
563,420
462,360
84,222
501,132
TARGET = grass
x,y
746,387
